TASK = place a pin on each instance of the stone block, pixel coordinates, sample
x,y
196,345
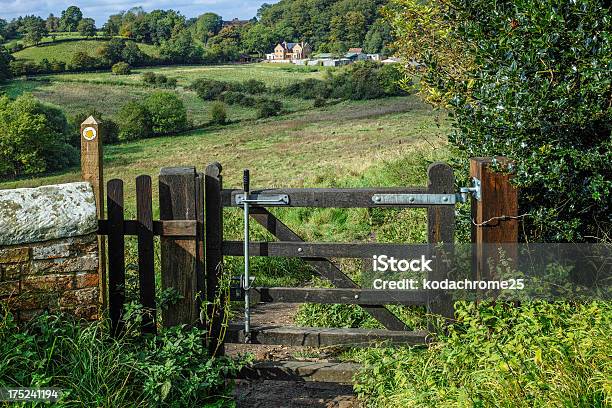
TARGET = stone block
x,y
33,301
51,250
86,280
11,272
14,255
65,265
47,283
9,289
79,297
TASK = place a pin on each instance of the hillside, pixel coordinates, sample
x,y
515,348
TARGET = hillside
x,y
63,51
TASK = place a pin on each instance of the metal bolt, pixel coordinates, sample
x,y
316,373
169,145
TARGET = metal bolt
x,y
300,249
412,199
356,296
377,198
445,199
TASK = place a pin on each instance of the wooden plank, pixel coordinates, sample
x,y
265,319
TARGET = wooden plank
x,y
146,252
325,337
178,255
324,267
324,250
201,253
214,257
330,197
337,296
116,251
92,171
166,228
494,215
341,373
440,229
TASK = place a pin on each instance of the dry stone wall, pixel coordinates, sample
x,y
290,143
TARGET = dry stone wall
x,y
49,250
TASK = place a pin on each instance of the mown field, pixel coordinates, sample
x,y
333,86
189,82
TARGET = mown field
x,y
107,93
63,51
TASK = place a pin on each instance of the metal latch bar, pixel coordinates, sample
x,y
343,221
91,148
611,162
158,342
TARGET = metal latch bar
x,y
415,199
276,199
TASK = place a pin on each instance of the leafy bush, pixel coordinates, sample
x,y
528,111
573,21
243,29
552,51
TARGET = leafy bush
x,y
170,369
167,113
527,80
82,61
149,77
134,122
254,87
268,107
33,137
159,80
534,355
209,89
5,64
238,98
121,68
218,113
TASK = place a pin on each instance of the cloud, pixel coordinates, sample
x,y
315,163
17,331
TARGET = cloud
x,y
101,9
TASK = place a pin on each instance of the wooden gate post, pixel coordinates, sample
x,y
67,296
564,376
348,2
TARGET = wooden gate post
x,y
214,255
92,171
177,201
494,215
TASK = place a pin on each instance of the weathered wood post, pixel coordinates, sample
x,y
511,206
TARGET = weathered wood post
x,y
440,229
214,255
116,255
92,171
177,201
494,215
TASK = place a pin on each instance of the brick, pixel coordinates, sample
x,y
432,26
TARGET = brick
x,y
86,280
65,265
11,272
9,288
14,255
51,251
84,245
79,297
47,283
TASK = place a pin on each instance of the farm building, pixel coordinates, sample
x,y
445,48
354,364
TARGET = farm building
x,y
290,51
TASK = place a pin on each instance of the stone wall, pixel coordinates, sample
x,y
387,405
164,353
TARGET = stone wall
x,y
49,250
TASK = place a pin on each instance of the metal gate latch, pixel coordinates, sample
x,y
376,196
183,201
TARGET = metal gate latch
x,y
255,199
430,199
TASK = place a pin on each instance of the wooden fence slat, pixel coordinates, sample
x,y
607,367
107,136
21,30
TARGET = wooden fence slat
x,y
324,267
166,228
335,296
116,254
201,253
330,197
178,255
440,229
324,250
146,252
214,257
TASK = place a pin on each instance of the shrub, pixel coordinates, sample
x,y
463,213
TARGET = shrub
x,y
82,61
218,113
33,137
525,80
268,107
167,113
121,68
149,77
238,98
319,103
209,89
134,122
254,87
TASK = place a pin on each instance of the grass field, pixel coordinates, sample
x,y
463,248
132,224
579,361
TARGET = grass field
x,y
107,93
63,51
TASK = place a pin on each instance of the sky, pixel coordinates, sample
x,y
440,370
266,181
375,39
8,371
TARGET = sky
x,y
99,10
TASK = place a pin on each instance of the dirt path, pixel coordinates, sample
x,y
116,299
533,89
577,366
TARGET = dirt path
x,y
285,394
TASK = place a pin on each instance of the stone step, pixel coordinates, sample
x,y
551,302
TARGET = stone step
x,y
328,372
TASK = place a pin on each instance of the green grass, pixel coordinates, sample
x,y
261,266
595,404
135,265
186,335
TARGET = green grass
x,y
63,51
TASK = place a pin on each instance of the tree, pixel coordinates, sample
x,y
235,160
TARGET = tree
x,y
259,39
132,54
167,113
218,113
518,85
33,137
69,21
121,68
52,23
112,51
207,25
87,27
35,30
5,64
82,61
180,48
134,122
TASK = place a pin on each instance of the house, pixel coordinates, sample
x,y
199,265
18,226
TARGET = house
x,y
355,56
356,50
235,23
292,51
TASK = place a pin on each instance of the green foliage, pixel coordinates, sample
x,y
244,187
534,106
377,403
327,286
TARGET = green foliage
x,y
35,29
87,27
5,65
268,107
527,80
70,19
82,61
159,80
218,113
33,137
134,122
167,113
121,68
109,128
209,89
533,355
170,369
207,25
180,48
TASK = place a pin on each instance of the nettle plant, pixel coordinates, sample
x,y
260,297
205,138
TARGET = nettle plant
x,y
529,80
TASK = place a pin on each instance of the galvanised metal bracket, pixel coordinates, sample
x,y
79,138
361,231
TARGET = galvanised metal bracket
x,y
255,199
430,199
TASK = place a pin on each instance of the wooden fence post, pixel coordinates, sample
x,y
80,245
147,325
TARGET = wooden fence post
x,y
494,215
92,171
116,259
440,229
146,252
177,201
214,255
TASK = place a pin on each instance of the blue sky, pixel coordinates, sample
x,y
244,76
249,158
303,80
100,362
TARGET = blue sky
x,y
101,9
